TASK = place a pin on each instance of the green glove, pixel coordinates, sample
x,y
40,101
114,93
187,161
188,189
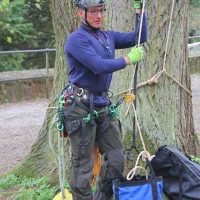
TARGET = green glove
x,y
137,4
135,54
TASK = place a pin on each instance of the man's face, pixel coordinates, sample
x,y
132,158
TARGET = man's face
x,y
95,16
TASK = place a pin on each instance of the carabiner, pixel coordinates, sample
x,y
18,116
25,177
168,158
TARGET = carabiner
x,y
111,94
80,92
60,127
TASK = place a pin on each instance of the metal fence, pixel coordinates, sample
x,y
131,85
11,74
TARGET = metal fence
x,y
193,37
46,51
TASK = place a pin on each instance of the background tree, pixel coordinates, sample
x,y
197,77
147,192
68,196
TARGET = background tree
x,y
43,37
194,15
14,32
25,25
164,109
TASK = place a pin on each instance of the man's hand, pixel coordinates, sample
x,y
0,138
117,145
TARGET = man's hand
x,y
137,4
136,54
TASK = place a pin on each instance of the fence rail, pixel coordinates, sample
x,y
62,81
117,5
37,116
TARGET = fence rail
x,y
193,37
26,78
193,55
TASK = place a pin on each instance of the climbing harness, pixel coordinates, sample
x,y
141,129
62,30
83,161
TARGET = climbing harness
x,y
83,98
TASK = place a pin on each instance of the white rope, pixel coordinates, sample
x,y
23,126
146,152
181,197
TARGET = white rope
x,y
168,34
144,155
55,120
61,164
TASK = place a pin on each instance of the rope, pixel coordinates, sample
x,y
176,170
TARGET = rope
x,y
168,34
155,78
152,80
61,164
144,155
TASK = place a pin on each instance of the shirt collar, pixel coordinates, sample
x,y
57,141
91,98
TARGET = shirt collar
x,y
90,28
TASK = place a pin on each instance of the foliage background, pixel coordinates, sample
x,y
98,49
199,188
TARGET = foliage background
x,y
25,25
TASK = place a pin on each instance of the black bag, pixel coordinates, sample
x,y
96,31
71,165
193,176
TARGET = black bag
x,y
181,176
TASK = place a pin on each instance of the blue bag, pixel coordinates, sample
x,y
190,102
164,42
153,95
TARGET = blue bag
x,y
139,187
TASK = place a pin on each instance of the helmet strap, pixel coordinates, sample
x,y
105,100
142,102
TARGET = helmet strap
x,y
86,21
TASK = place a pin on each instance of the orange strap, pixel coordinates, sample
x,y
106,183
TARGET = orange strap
x,y
97,163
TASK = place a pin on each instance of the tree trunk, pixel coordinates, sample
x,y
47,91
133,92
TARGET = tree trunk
x,y
164,109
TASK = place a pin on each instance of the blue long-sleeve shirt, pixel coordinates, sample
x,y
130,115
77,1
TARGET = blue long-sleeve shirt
x,y
90,55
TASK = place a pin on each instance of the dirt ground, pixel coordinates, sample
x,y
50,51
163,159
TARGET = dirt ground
x,y
20,124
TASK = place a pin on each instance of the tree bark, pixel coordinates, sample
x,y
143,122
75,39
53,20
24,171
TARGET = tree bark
x,y
164,109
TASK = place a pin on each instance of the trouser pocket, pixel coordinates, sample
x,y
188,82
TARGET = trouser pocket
x,y
72,125
82,166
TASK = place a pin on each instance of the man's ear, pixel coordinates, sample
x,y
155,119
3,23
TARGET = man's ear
x,y
81,13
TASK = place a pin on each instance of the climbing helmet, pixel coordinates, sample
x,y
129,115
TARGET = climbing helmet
x,y
89,3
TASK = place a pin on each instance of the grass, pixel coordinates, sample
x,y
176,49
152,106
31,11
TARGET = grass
x,y
15,188
195,159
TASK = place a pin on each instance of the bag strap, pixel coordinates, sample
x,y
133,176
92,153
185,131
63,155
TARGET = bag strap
x,y
152,174
153,180
180,183
180,172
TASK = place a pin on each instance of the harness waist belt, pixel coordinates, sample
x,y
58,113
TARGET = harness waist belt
x,y
80,91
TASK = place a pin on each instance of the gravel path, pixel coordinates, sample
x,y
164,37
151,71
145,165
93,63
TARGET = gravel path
x,y
20,124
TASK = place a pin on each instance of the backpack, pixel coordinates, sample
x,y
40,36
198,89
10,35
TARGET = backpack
x,y
181,176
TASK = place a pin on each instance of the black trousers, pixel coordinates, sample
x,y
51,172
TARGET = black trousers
x,y
110,146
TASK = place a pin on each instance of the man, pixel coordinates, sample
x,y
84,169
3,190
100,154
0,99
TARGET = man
x,y
89,118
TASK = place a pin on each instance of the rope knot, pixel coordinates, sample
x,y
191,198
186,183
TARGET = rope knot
x,y
144,155
152,80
